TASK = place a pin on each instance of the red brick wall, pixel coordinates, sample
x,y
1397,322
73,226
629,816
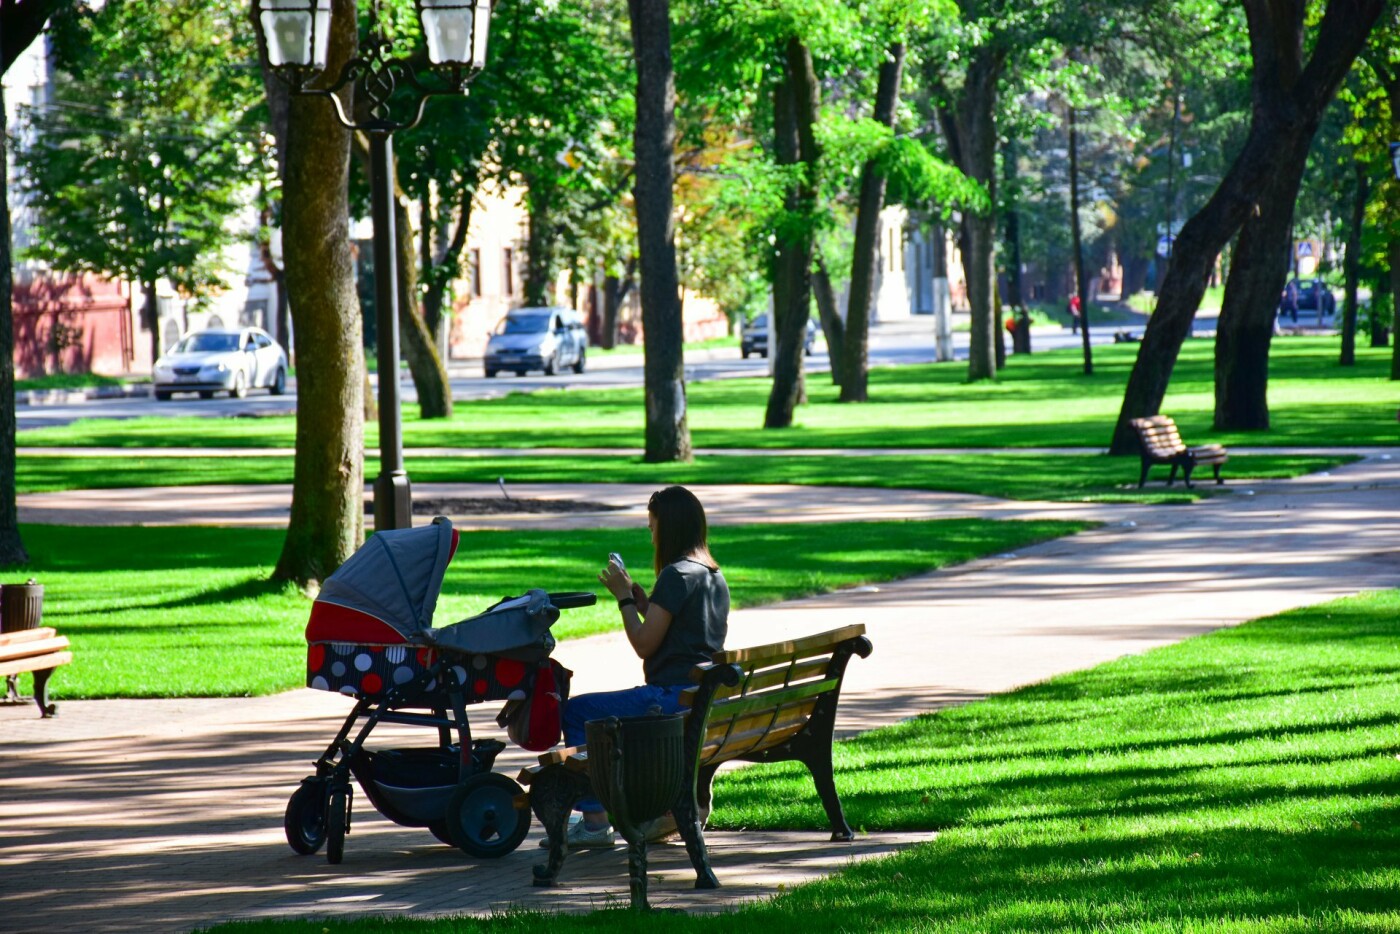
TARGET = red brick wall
x,y
74,324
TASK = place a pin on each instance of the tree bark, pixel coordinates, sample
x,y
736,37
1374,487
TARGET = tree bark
x,y
968,118
833,328
795,103
855,345
419,349
12,549
1393,254
1288,100
1351,263
667,430
540,245
328,488
439,267
1081,287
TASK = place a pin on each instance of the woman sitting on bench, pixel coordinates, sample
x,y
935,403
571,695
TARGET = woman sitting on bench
x,y
682,624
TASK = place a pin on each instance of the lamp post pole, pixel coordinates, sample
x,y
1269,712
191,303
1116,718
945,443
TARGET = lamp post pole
x,y
390,97
393,495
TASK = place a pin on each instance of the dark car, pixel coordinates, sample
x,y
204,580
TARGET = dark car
x,y
1310,295
753,337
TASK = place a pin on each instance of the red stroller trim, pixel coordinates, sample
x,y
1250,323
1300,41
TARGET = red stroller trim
x,y
331,622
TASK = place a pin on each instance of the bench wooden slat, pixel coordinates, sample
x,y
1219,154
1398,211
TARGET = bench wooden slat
x,y
34,647
781,675
555,756
751,741
810,645
767,700
36,663
26,635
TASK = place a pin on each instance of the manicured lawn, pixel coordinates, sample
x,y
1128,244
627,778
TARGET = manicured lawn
x,y
1041,400
187,611
1244,781
1016,476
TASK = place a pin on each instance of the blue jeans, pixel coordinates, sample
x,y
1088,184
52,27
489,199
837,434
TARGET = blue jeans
x,y
632,702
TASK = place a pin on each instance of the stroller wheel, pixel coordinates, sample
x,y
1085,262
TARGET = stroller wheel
x,y
305,820
337,823
482,817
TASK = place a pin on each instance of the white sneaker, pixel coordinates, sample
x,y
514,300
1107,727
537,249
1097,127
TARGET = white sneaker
x,y
582,837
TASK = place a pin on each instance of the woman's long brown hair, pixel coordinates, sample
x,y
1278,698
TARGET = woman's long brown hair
x,y
681,530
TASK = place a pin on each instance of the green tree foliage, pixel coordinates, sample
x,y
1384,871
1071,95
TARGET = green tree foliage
x,y
138,171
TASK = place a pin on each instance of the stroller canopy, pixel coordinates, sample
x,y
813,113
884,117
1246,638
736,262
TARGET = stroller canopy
x,y
394,578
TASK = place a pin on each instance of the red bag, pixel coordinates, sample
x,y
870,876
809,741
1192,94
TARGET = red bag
x,y
534,720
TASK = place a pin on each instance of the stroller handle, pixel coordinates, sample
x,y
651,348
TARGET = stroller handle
x,y
573,599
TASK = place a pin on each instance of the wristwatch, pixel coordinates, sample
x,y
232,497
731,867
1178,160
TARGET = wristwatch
x,y
626,601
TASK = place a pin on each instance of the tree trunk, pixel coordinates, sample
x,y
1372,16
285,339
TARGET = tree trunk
x,y
1351,263
1015,292
970,128
440,267
795,103
1393,254
11,546
1257,275
419,349
1081,287
1288,101
540,245
615,291
328,488
833,328
667,431
150,314
855,345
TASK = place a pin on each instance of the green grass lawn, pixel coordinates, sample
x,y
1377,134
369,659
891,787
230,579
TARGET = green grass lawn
x,y
188,611
1040,400
1244,781
1075,477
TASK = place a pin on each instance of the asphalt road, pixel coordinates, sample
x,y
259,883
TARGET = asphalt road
x,y
894,343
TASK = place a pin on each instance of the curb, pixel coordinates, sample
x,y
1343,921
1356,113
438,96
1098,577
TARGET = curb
x,y
67,396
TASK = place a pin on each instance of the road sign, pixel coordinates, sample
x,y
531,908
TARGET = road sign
x,y
1164,246
1305,249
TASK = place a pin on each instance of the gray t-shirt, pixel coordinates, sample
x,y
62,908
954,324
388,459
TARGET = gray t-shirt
x,y
698,600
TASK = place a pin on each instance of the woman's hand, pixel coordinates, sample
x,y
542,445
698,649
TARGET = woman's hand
x,y
616,580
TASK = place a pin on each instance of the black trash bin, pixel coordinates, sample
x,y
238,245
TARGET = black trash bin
x,y
21,606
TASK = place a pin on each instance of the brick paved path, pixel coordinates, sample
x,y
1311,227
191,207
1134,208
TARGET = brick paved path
x,y
165,815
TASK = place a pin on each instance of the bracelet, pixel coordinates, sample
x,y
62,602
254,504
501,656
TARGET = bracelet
x,y
626,601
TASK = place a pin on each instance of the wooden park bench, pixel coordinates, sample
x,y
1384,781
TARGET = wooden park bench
x,y
38,650
771,703
1162,444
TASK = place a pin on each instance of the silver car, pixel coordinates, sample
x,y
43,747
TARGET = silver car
x,y
547,339
221,360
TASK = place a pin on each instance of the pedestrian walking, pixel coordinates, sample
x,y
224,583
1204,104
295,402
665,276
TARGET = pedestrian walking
x,y
1074,311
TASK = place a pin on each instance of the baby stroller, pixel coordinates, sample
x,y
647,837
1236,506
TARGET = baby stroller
x,y
370,637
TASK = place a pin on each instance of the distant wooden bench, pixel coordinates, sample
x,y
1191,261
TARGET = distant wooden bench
x,y
771,703
1162,444
38,650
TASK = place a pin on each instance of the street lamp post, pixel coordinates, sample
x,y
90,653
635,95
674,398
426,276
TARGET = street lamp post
x,y
297,40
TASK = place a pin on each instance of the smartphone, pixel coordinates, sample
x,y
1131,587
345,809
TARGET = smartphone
x,y
616,559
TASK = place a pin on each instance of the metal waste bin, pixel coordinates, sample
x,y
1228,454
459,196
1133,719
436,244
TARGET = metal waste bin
x,y
21,606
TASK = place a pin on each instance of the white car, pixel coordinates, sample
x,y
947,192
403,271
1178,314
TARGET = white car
x,y
221,360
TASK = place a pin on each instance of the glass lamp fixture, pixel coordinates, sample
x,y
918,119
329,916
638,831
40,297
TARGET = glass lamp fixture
x,y
298,32
456,31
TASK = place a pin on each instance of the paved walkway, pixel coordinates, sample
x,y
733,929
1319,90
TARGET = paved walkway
x,y
163,815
